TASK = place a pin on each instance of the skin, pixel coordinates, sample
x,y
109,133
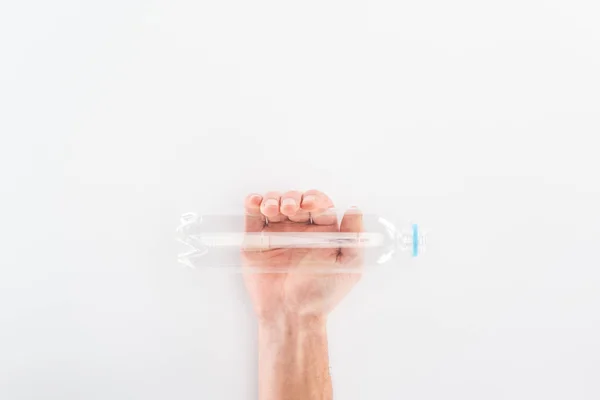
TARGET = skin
x,y
293,306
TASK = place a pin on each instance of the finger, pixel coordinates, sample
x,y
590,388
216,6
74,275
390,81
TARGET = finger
x,y
351,222
270,207
254,221
313,199
320,207
300,216
290,203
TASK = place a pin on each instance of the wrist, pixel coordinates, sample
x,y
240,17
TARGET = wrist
x,y
293,358
294,323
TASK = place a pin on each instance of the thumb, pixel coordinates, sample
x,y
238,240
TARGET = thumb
x,y
351,222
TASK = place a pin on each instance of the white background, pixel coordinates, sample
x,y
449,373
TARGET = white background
x,y
479,120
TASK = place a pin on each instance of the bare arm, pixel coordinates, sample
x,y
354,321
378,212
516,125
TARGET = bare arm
x,y
293,360
292,305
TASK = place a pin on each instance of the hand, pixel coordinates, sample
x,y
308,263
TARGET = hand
x,y
298,294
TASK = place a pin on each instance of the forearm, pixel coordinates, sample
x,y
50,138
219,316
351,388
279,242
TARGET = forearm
x,y
293,360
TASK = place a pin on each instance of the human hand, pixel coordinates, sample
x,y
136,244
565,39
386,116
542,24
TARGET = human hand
x,y
297,293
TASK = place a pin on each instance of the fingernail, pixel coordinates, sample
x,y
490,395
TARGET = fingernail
x,y
309,199
271,202
288,202
255,198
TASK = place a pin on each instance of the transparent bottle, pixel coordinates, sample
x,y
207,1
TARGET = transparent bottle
x,y
219,241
